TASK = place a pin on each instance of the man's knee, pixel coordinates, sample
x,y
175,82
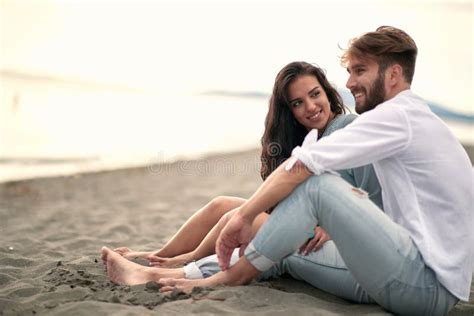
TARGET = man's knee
x,y
314,184
308,194
302,198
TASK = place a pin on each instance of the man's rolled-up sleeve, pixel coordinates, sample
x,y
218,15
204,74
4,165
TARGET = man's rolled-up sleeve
x,y
373,136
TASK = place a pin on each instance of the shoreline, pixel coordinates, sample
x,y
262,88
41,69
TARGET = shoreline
x,y
124,166
469,148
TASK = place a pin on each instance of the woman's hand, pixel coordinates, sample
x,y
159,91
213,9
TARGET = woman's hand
x,y
315,243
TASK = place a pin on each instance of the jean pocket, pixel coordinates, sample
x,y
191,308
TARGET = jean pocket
x,y
407,299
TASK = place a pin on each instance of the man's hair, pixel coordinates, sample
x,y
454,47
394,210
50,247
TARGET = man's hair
x,y
387,45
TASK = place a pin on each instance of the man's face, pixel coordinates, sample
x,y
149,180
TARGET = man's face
x,y
367,85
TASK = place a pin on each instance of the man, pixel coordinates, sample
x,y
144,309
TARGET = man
x,y
413,258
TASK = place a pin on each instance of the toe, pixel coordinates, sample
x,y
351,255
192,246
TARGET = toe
x,y
104,253
167,281
167,288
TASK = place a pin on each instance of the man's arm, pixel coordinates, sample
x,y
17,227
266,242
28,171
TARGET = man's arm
x,y
375,135
237,232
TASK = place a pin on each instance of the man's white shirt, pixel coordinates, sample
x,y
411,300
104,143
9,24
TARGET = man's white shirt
x,y
425,175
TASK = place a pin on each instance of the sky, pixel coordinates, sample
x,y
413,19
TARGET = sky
x,y
187,46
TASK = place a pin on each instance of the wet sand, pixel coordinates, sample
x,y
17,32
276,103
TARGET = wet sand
x,y
52,230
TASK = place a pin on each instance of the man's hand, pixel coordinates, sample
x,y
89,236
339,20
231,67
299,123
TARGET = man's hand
x,y
237,232
315,243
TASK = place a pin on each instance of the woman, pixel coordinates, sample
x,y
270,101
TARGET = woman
x,y
302,100
285,128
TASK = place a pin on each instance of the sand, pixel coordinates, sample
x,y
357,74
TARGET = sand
x,y
52,230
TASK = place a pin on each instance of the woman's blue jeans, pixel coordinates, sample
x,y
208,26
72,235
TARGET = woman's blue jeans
x,y
370,258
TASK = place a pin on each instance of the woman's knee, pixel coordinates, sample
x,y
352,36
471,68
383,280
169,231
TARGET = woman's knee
x,y
223,204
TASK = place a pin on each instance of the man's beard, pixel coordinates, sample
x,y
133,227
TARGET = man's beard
x,y
376,96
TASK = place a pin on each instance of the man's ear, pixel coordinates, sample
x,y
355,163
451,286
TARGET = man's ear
x,y
395,74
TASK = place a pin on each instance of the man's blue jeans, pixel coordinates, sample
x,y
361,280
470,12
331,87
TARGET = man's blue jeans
x,y
371,257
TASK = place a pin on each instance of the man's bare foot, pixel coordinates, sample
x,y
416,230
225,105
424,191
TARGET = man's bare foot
x,y
103,256
184,285
177,261
125,272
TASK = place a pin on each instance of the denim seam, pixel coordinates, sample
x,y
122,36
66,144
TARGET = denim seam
x,y
395,279
321,264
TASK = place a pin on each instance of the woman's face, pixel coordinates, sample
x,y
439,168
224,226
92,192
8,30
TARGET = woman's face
x,y
309,103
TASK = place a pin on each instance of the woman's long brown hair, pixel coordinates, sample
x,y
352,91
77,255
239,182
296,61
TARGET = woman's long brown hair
x,y
282,131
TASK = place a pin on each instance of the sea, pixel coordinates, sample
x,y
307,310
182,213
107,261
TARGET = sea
x,y
55,127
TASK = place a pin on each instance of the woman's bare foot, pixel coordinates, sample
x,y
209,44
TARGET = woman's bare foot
x,y
125,272
130,254
177,261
